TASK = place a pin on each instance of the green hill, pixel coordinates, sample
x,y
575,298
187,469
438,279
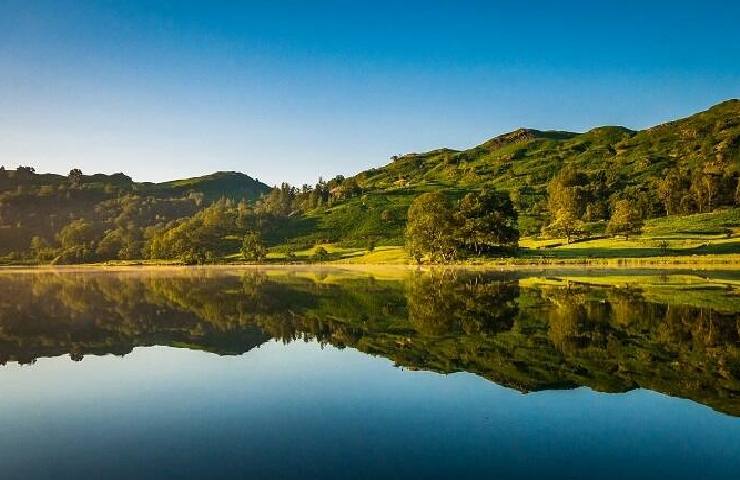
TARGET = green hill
x,y
41,205
529,158
522,162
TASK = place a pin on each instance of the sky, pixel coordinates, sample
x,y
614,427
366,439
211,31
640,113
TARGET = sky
x,y
290,90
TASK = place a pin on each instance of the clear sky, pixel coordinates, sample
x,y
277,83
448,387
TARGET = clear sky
x,y
290,90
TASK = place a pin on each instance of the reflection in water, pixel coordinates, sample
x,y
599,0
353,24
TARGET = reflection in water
x,y
669,334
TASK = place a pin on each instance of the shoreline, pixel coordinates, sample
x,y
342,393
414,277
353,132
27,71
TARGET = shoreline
x,y
703,262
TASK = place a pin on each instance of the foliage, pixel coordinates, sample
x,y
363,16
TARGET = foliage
x,y
486,221
253,248
320,254
565,224
430,229
625,220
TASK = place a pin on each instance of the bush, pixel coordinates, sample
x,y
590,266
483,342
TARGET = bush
x,y
320,254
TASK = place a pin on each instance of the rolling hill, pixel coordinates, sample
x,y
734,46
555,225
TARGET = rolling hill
x,y
522,162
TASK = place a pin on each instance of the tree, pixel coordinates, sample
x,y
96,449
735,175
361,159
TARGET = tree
x,y
565,224
320,254
429,230
25,172
566,191
75,176
77,233
567,195
486,220
77,242
41,249
109,247
280,201
625,220
253,248
672,189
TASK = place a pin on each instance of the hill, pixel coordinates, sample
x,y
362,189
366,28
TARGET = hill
x,y
625,163
40,205
234,185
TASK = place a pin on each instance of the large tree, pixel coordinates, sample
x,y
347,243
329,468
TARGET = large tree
x,y
75,234
429,230
567,191
565,224
486,220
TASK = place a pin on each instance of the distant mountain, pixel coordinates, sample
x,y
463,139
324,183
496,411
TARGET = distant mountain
x,y
234,185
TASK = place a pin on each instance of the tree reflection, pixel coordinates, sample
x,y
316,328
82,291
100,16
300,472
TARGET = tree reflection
x,y
446,303
530,335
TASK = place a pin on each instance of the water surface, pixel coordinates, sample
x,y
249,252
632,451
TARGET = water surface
x,y
199,373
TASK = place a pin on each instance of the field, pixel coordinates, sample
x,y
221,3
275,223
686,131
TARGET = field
x,y
680,239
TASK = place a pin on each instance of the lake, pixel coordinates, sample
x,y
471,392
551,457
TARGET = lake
x,y
329,373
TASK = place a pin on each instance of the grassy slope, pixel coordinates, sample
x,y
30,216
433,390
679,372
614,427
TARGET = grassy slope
x,y
686,235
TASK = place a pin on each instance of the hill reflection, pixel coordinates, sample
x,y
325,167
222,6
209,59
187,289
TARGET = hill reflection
x,y
674,335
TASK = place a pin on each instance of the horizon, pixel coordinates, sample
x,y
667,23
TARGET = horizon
x,y
328,176
174,90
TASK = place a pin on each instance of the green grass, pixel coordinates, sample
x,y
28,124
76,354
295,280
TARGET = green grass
x,y
687,236
715,223
696,242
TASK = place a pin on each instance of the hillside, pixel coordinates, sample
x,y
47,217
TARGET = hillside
x,y
114,206
529,158
629,163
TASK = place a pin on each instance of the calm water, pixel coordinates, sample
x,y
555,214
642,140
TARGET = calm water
x,y
210,374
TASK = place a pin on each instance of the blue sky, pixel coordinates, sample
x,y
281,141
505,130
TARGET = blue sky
x,y
290,90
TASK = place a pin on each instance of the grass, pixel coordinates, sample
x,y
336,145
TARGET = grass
x,y
712,224
381,256
640,247
690,240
